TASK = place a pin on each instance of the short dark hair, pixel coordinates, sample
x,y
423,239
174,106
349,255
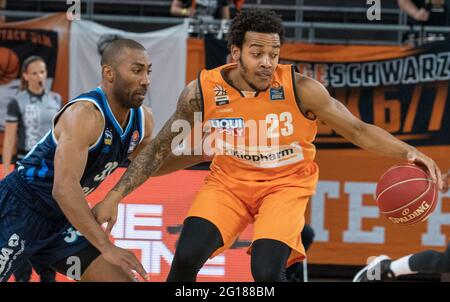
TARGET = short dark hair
x,y
257,20
112,51
104,41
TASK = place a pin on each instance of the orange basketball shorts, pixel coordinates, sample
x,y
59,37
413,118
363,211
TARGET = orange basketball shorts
x,y
276,208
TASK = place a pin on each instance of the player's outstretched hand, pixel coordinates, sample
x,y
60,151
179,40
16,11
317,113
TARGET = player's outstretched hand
x,y
124,259
423,160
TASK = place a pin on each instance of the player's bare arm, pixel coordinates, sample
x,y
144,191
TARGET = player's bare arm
x,y
190,156
106,211
153,155
173,162
314,97
77,129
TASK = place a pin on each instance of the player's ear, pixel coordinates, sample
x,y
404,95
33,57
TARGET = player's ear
x,y
235,53
108,73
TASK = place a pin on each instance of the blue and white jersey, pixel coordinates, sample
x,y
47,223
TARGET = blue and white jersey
x,y
112,148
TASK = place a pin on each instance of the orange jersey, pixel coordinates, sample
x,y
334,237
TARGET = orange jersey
x,y
257,136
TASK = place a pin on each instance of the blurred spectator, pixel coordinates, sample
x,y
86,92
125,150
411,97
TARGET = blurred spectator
x,y
2,7
238,4
217,9
417,12
203,14
426,12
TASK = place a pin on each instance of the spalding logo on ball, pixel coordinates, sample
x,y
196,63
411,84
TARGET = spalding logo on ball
x,y
406,194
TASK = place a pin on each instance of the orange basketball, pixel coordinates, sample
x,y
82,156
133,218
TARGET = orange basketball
x,y
9,65
406,194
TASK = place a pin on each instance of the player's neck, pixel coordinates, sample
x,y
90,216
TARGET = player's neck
x,y
120,113
234,78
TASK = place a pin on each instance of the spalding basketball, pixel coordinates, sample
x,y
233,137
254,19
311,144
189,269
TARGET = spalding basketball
x,y
406,194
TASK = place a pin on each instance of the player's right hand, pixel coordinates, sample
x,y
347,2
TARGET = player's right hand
x,y
124,259
106,212
421,159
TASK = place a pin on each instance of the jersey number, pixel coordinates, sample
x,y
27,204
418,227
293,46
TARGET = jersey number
x,y
72,235
109,168
274,121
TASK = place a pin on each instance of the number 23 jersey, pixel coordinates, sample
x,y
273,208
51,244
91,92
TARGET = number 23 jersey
x,y
257,136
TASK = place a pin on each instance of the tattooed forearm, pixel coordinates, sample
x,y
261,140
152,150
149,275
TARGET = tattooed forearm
x,y
153,155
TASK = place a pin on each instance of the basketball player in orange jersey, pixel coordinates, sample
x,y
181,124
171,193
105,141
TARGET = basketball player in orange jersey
x,y
383,268
265,184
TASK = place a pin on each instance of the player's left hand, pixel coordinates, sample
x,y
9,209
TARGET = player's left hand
x,y
106,211
423,160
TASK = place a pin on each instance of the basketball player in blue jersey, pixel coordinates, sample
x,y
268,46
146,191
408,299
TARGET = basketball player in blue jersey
x,y
44,216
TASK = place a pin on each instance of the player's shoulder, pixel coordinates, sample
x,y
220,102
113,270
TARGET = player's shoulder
x,y
80,120
301,79
192,89
190,98
311,93
84,110
192,86
307,84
